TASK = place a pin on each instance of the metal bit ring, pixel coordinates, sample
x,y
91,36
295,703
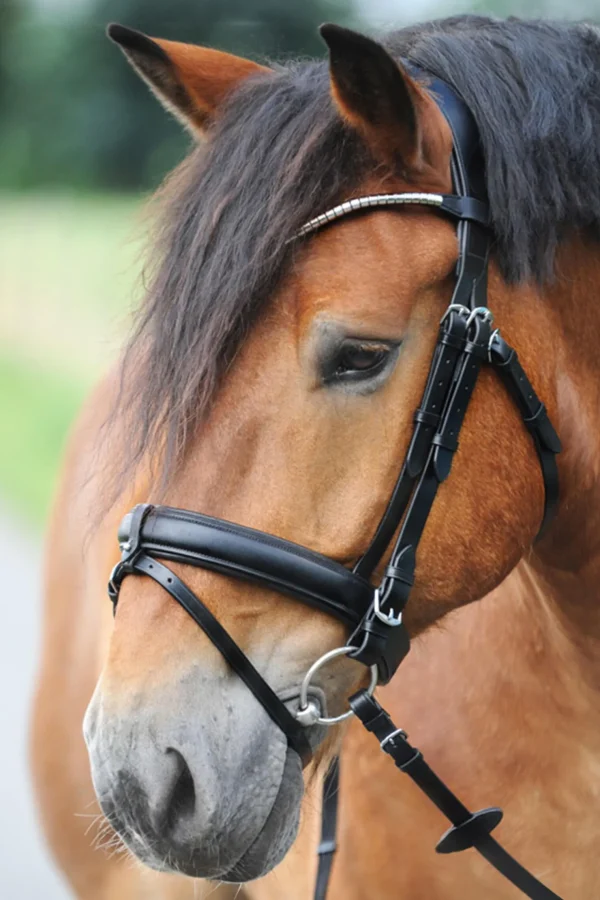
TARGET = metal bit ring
x,y
308,711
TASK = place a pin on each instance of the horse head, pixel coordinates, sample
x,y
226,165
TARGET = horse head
x,y
273,381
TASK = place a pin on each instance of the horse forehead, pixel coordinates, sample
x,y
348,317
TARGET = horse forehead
x,y
384,254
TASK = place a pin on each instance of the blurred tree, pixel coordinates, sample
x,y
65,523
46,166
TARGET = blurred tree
x,y
8,16
73,113
79,116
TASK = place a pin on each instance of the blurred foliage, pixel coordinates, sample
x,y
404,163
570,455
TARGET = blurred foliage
x,y
73,113
69,273
38,406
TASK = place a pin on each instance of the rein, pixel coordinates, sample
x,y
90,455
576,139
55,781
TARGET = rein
x,y
377,638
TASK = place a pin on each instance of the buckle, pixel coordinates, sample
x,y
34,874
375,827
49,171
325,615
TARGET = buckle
x,y
480,311
494,339
389,618
457,308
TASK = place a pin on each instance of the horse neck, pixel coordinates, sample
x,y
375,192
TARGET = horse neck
x,y
559,583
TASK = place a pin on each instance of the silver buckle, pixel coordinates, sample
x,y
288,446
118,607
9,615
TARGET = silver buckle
x,y
390,737
495,333
455,307
390,618
482,311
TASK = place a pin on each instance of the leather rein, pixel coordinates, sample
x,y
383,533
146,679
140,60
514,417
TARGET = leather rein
x,y
372,614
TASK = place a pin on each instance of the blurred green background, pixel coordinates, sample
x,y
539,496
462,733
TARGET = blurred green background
x,y
82,144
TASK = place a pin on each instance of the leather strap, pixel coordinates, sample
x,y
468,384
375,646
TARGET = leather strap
x,y
237,659
470,292
466,207
469,205
385,645
445,441
328,843
468,165
250,555
469,830
427,417
547,443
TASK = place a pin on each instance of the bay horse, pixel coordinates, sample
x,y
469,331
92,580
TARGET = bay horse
x,y
271,381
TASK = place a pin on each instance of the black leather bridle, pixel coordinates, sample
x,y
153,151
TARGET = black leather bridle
x,y
372,615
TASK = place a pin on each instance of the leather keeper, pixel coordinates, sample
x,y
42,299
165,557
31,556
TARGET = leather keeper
x,y
445,441
424,417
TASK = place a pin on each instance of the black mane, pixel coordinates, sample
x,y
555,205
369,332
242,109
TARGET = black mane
x,y
534,90
280,155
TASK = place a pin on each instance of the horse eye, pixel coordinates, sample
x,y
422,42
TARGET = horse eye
x,y
360,358
356,361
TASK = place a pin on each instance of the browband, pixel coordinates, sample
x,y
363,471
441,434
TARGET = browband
x,y
467,208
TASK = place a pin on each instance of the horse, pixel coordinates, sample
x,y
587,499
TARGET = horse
x,y
270,381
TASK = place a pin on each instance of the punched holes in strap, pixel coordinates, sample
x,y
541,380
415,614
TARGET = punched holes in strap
x,y
385,644
446,439
469,830
451,342
470,289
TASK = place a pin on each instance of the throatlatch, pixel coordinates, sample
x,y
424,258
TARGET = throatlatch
x,y
373,614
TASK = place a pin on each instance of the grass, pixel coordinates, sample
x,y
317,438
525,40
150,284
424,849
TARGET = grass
x,y
69,266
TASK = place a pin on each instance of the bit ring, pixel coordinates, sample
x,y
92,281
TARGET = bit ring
x,y
308,711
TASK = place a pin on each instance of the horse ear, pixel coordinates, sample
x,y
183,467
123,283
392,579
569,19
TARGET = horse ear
x,y
375,95
190,81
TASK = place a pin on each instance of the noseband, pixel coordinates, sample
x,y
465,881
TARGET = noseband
x,y
372,614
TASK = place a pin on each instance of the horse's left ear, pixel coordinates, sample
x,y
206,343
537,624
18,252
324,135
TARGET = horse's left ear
x,y
376,96
190,81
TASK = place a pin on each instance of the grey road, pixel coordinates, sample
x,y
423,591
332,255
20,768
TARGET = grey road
x,y
26,871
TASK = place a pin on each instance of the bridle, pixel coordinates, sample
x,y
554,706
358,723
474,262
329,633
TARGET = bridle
x,y
372,615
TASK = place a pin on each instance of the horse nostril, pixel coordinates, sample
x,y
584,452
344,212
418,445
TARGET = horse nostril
x,y
183,797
